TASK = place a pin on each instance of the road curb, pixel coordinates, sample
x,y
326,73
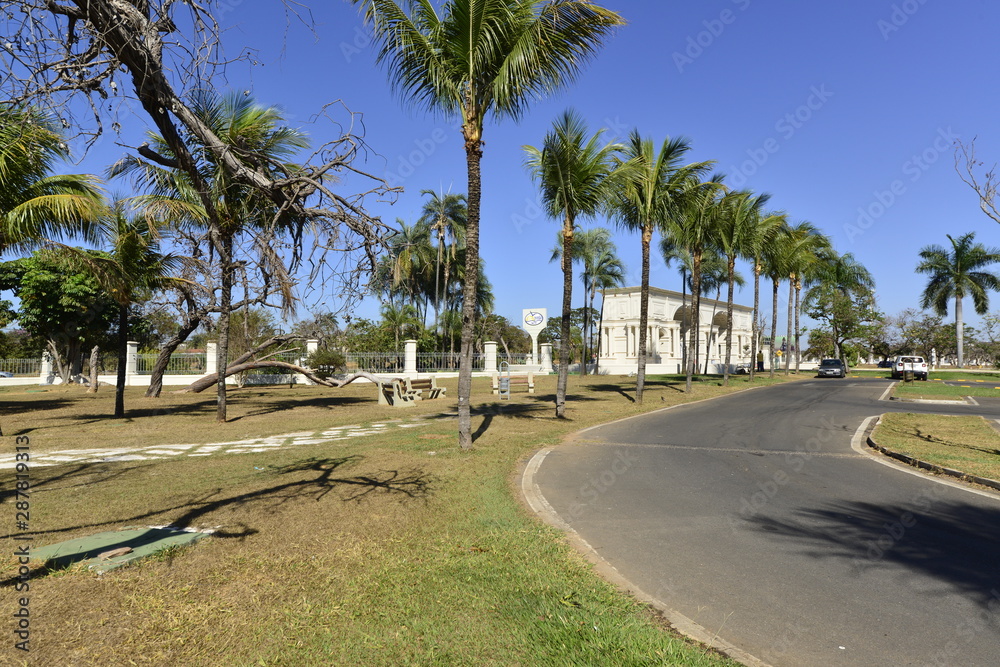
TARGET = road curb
x,y
540,506
932,467
678,621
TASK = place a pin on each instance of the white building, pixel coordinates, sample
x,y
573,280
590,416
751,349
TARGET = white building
x,y
666,325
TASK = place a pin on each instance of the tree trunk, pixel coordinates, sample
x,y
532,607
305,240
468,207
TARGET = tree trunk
x,y
774,320
684,317
163,358
567,307
95,361
695,314
754,334
788,328
710,337
225,305
730,288
473,156
437,283
960,331
600,337
122,361
798,330
586,331
640,375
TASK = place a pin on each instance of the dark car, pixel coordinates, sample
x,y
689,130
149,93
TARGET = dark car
x,y
885,363
832,368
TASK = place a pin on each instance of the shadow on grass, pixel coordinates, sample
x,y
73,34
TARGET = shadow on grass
x,y
313,479
958,544
514,410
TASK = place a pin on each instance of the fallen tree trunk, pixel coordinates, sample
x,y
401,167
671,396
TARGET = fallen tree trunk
x,y
204,383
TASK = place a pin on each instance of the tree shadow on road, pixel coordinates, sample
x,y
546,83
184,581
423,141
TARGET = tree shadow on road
x,y
957,544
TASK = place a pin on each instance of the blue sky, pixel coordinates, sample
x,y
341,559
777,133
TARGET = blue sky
x,y
844,112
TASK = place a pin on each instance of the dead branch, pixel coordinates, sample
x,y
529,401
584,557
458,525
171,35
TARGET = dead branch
x,y
204,383
967,165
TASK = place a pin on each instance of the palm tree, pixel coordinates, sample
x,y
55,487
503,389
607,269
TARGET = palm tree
x,y
776,266
412,254
843,276
692,227
645,199
714,275
741,226
956,274
574,173
808,246
400,319
674,253
476,59
765,235
446,216
132,267
604,272
35,205
594,249
233,207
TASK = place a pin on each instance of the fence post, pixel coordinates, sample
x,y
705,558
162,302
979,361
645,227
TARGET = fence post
x,y
546,355
490,353
131,361
410,356
211,357
45,374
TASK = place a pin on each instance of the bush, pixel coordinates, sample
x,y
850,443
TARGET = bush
x,y
327,362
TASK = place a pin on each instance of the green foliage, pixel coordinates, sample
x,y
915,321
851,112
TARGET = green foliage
x,y
67,307
326,362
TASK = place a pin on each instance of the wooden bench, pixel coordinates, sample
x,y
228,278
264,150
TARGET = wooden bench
x,y
422,388
527,380
393,392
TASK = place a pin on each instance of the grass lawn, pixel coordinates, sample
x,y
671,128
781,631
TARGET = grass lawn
x,y
968,444
937,390
386,549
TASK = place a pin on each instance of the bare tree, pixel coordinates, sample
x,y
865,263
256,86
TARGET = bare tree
x,y
57,55
986,185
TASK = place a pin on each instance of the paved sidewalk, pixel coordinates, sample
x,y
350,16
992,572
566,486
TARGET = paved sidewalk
x,y
154,452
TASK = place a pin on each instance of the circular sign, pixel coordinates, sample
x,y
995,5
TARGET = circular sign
x,y
533,318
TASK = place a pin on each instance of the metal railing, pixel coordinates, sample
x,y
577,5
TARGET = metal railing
x,y
21,367
375,362
181,363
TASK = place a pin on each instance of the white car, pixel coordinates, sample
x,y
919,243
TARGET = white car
x,y
916,365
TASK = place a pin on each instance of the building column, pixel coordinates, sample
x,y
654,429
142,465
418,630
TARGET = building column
x,y
410,356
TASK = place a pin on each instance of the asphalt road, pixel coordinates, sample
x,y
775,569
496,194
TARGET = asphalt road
x,y
753,516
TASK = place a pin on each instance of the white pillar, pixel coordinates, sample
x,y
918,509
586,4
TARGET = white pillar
x,y
546,355
490,352
410,356
131,361
312,345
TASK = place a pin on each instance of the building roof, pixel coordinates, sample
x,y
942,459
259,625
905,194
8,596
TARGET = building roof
x,y
656,291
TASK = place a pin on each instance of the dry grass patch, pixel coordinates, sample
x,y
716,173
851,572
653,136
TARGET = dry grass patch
x,y
968,444
387,550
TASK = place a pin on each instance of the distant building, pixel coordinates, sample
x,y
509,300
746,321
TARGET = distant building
x,y
668,331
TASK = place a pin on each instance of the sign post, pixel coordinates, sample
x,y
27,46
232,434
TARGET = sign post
x,y
534,320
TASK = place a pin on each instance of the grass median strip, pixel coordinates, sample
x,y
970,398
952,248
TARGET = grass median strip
x,y
968,444
393,548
